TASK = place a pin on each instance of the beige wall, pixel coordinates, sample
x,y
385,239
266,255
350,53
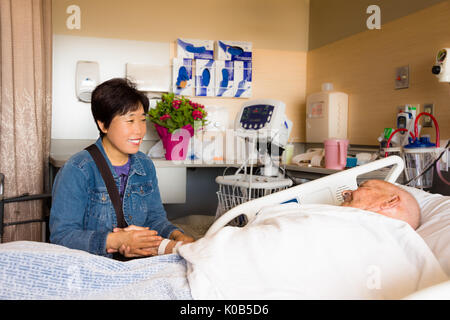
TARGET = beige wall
x,y
363,65
277,29
332,20
269,24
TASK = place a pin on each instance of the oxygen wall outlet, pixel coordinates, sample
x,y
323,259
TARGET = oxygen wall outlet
x,y
402,77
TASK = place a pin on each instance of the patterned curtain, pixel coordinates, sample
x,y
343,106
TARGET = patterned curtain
x,y
25,111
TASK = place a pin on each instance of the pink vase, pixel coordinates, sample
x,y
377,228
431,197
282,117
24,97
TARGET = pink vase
x,y
176,144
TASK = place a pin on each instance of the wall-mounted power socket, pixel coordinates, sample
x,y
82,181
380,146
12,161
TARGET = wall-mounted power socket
x,y
427,122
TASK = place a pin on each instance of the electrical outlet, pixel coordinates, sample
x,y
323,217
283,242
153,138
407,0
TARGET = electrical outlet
x,y
427,122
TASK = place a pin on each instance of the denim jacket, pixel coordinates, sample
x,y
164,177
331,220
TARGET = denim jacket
x,y
82,214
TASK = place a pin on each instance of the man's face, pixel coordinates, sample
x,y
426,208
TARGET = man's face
x,y
369,195
386,199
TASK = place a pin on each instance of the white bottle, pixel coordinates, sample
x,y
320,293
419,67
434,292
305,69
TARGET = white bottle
x,y
326,115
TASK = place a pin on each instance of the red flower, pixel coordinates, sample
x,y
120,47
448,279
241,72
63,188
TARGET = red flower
x,y
196,114
169,108
176,104
165,117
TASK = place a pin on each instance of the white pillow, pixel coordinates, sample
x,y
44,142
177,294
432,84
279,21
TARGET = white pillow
x,y
434,223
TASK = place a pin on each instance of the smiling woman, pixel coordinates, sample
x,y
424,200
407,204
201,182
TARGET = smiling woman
x,y
85,212
120,118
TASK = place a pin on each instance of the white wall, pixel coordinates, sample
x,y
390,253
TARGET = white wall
x,y
71,118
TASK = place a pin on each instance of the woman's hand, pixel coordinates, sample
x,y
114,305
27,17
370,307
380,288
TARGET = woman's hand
x,y
133,241
123,246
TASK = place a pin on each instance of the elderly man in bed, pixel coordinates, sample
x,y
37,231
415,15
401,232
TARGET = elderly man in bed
x,y
286,252
372,195
367,248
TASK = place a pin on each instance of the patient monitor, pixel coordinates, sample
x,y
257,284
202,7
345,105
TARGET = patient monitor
x,y
264,122
265,118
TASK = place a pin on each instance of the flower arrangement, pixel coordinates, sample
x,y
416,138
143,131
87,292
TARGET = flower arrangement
x,y
177,112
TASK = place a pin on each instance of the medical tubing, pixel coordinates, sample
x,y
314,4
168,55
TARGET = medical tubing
x,y
438,168
416,133
392,135
416,129
244,164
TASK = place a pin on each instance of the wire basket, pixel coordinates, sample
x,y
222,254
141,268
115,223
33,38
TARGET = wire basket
x,y
239,188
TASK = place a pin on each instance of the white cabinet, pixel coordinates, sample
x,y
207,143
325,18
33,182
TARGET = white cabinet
x,y
172,184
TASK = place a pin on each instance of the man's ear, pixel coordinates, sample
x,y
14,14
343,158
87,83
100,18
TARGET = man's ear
x,y
102,126
392,202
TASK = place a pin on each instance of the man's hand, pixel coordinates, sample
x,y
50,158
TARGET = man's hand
x,y
180,236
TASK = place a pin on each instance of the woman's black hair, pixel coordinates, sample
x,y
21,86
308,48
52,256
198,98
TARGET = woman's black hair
x,y
115,97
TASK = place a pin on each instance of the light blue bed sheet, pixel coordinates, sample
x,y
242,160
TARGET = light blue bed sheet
x,y
35,270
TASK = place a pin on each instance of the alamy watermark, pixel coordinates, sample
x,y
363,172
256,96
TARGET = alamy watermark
x,y
373,281
73,21
374,20
229,146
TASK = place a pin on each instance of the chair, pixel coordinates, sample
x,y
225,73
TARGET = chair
x,y
21,198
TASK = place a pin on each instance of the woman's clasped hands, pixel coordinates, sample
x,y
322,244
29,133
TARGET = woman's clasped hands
x,y
134,241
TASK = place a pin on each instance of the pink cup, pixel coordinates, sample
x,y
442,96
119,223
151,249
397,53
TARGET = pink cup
x,y
336,153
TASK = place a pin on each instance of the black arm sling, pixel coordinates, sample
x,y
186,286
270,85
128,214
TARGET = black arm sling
x,y
111,187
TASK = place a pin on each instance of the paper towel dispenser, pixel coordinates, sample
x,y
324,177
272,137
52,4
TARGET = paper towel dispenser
x,y
150,77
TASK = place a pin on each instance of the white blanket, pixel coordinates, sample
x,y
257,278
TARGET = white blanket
x,y
312,252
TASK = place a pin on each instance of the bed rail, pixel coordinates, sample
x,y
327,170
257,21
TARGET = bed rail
x,y
325,190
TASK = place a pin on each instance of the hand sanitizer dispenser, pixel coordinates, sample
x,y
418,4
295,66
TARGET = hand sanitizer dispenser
x,y
87,78
326,115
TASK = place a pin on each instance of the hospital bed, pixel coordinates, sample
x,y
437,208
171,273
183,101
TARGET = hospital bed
x,y
31,270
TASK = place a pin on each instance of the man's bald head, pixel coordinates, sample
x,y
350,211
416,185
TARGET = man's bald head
x,y
384,198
